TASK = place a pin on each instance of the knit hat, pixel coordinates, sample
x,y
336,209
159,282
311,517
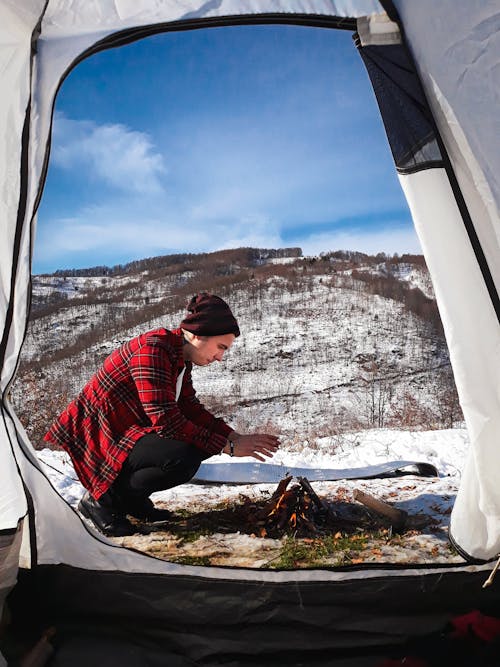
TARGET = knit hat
x,y
209,315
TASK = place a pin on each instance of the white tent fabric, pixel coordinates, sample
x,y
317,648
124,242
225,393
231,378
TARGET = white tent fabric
x,y
470,324
458,59
15,53
68,28
459,50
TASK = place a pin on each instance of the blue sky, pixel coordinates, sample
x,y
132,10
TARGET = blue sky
x,y
263,136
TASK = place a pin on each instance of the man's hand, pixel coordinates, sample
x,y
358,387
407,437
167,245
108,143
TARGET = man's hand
x,y
258,445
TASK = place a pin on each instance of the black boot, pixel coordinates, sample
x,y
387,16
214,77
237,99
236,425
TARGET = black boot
x,y
143,508
105,515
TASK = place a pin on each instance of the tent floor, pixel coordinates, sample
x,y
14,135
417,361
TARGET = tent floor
x,y
82,650
136,620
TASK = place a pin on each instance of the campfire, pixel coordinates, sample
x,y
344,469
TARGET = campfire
x,y
298,510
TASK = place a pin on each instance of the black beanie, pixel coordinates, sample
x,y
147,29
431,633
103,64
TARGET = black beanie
x,y
209,315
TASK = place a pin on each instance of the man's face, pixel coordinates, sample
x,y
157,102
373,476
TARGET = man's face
x,y
204,350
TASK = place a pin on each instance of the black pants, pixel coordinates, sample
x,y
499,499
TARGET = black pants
x,y
156,464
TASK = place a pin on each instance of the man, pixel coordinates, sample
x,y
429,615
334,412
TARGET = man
x,y
137,426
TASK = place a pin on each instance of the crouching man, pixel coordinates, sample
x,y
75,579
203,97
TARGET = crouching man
x,y
137,426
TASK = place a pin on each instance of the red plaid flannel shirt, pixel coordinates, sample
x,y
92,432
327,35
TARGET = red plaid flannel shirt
x,y
133,394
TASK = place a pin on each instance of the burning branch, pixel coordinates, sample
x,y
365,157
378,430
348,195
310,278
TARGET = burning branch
x,y
297,508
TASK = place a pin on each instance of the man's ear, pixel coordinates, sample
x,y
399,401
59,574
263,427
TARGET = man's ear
x,y
194,339
188,335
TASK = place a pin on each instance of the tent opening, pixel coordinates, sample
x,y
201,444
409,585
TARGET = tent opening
x,y
250,162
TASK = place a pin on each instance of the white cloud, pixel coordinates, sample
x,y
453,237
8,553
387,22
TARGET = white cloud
x,y
252,231
126,229
387,239
120,157
120,233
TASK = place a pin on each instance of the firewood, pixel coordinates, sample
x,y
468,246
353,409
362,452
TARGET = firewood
x,y
306,485
286,506
297,509
270,507
306,523
396,516
282,486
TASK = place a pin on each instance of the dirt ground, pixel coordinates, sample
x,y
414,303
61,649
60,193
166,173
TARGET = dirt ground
x,y
232,534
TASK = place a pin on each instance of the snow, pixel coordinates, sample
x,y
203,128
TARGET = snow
x,y
281,260
431,497
414,276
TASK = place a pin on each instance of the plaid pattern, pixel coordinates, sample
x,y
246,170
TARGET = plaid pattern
x,y
133,394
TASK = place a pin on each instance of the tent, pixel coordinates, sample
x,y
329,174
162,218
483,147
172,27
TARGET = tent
x,y
435,72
